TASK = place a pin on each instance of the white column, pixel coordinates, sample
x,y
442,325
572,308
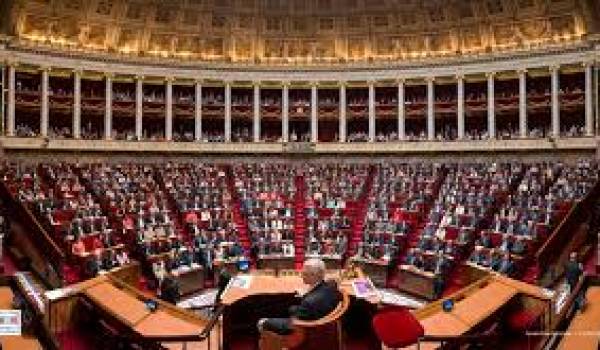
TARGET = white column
x,y
198,112
554,72
45,110
227,112
589,100
342,115
523,132
430,109
401,112
371,111
11,101
169,110
139,106
256,105
314,122
460,108
285,109
77,104
491,106
108,107
596,94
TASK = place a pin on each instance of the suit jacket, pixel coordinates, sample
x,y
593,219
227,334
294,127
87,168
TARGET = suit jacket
x,y
317,303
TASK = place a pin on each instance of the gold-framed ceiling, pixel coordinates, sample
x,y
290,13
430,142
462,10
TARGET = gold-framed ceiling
x,y
300,32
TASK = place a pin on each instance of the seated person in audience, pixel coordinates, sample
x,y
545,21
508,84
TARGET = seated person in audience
x,y
160,271
341,244
377,252
414,258
314,247
506,266
169,290
439,284
519,247
288,249
360,251
425,243
173,261
506,245
437,244
235,250
320,300
78,247
207,258
494,259
449,248
403,227
485,240
94,264
440,264
429,230
185,258
109,260
463,236
122,257
479,256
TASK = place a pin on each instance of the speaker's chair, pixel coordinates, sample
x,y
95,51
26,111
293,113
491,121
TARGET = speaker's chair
x,y
325,333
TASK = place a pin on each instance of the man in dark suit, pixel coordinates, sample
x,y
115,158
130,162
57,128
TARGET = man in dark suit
x,y
320,300
169,290
573,270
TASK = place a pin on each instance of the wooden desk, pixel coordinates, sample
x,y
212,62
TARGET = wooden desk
x,y
481,305
444,324
265,296
263,285
585,325
377,270
22,342
474,305
124,306
6,298
275,262
416,282
15,342
332,262
160,323
190,279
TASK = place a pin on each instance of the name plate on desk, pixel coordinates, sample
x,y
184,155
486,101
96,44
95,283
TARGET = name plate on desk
x,y
298,147
10,322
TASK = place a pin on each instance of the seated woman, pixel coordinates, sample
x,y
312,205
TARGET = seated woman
x,y
320,300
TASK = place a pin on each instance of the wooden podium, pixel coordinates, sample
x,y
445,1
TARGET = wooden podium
x,y
263,296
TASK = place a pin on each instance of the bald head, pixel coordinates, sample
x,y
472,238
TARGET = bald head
x,y
313,271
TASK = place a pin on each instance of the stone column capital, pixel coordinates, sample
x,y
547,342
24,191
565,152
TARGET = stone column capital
x,y
554,68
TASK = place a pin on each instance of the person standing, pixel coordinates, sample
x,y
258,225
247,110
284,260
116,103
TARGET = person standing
x,y
573,271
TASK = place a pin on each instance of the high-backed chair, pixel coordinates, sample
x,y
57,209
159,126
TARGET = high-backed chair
x,y
325,333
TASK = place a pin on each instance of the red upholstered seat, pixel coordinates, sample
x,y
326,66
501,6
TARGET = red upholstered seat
x,y
397,327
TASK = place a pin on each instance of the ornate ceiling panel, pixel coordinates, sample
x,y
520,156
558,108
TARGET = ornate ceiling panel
x,y
298,31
